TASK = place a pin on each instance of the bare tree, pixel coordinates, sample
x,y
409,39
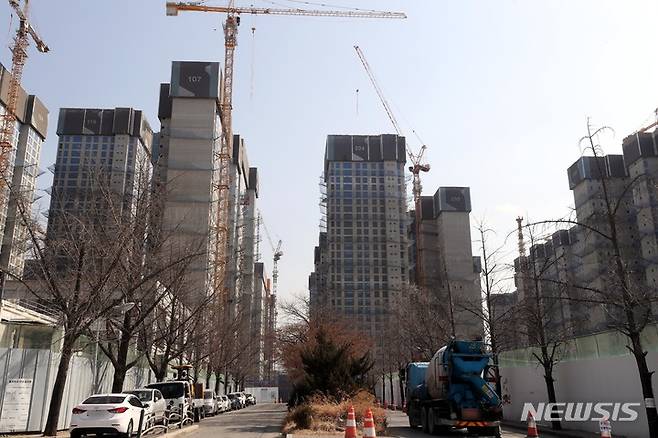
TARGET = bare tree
x,y
416,315
494,308
160,258
75,271
621,291
299,333
539,306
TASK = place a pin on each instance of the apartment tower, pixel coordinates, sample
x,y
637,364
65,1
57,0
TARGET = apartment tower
x,y
29,135
187,166
363,260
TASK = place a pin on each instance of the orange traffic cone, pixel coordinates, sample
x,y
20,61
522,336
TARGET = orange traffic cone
x,y
369,425
606,429
350,424
532,427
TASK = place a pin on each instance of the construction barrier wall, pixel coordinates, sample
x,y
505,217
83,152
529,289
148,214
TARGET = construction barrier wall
x,y
388,396
264,394
596,368
27,376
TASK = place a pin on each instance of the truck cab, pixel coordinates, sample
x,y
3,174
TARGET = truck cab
x,y
178,395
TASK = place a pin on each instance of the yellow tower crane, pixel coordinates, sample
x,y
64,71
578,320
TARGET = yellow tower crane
x,y
8,119
416,159
220,253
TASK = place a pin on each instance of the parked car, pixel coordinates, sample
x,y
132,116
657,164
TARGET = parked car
x,y
236,400
178,396
223,403
210,402
106,414
155,404
251,400
244,399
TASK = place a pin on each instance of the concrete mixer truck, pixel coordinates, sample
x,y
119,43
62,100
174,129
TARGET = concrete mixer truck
x,y
452,391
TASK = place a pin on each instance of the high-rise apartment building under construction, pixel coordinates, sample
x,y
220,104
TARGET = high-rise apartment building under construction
x,y
362,257
23,170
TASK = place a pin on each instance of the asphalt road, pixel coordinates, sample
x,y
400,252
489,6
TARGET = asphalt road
x,y
398,426
264,421
260,421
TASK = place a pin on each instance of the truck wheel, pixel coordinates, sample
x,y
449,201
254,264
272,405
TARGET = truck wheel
x,y
423,420
431,426
412,422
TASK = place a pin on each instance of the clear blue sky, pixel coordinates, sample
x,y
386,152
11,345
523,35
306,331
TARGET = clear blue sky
x,y
498,89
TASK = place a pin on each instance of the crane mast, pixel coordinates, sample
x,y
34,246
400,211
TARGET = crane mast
x,y
220,253
9,118
416,160
277,253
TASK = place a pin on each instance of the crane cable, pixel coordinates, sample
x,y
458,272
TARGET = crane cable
x,y
11,21
253,62
328,5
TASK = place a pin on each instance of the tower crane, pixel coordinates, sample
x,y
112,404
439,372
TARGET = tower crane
x,y
220,253
18,59
277,253
416,159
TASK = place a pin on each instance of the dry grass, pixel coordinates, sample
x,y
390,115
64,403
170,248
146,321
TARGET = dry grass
x,y
322,415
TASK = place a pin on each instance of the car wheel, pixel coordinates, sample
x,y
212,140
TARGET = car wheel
x,y
129,430
76,434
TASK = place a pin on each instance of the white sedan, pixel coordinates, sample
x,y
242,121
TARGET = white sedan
x,y
107,414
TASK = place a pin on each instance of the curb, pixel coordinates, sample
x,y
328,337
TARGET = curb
x,y
180,432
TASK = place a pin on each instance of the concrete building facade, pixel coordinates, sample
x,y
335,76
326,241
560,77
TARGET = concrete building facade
x,y
99,151
187,171
575,264
187,168
23,171
362,259
447,266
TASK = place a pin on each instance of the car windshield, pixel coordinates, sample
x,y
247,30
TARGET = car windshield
x,y
232,396
207,395
143,396
170,390
104,400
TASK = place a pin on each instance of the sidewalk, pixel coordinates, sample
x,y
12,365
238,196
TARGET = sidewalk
x,y
545,430
173,432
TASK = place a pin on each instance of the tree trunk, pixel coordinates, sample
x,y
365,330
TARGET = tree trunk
x,y
390,385
645,381
208,374
217,382
121,369
383,388
58,388
499,385
550,389
401,384
160,372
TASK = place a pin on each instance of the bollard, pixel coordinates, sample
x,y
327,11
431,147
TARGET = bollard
x,y
141,423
